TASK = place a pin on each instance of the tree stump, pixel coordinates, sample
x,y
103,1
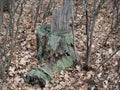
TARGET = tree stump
x,y
54,47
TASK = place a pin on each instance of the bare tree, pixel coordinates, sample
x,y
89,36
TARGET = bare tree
x,y
7,47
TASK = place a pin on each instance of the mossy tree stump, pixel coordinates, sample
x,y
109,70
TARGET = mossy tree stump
x,y
54,47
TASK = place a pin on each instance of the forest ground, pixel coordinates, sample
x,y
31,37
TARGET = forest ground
x,y
73,78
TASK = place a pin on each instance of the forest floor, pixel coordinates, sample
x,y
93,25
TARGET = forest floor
x,y
73,78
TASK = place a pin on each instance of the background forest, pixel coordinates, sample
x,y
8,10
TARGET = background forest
x,y
94,26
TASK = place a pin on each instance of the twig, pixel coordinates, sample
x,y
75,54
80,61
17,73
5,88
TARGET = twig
x,y
87,33
75,51
37,11
109,59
